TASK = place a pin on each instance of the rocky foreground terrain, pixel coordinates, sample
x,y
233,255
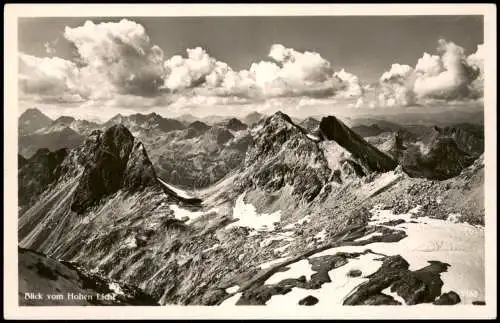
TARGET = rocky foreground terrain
x,y
272,213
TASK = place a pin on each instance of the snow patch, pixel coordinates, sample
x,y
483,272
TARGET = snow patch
x,y
321,235
214,247
176,190
232,300
396,297
291,226
297,269
334,153
130,242
305,219
272,262
459,244
281,250
313,137
248,216
335,292
181,213
285,236
368,236
423,148
116,288
454,217
232,289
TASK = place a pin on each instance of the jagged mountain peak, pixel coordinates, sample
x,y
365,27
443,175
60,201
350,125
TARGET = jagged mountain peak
x,y
64,120
118,118
33,112
104,163
232,124
279,115
281,154
253,118
32,120
331,128
275,131
118,139
195,129
139,122
310,124
198,125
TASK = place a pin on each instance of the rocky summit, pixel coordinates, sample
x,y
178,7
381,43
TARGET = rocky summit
x,y
116,161
281,154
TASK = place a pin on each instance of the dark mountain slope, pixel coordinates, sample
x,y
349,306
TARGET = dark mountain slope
x,y
76,286
333,129
66,138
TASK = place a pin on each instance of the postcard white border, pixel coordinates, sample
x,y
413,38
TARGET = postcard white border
x,y
13,11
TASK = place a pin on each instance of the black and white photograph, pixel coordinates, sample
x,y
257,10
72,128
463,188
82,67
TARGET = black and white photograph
x,y
278,161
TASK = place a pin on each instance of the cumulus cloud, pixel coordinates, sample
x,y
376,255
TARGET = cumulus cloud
x,y
447,76
450,75
114,59
397,74
298,67
476,60
53,78
348,83
187,72
206,76
294,73
119,53
396,85
288,73
117,61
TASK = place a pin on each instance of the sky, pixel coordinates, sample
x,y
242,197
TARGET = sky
x,y
97,67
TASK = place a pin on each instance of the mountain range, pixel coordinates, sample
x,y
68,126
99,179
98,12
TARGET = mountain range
x,y
271,210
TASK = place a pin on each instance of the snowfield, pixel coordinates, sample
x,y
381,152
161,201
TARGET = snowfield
x,y
458,244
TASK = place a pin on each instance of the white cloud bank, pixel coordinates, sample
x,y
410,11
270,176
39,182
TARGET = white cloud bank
x,y
118,66
287,73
